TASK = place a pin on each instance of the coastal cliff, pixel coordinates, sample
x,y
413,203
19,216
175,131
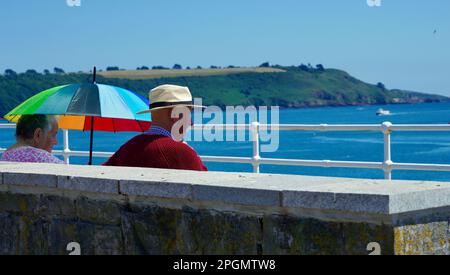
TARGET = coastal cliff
x,y
287,87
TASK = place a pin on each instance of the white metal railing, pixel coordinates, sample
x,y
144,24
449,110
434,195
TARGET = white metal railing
x,y
256,160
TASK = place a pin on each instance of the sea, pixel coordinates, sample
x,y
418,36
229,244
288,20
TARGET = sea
x,y
407,147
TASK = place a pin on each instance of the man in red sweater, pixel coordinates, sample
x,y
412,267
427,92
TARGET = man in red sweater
x,y
161,146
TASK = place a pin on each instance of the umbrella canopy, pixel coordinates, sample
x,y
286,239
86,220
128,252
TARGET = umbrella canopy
x,y
115,109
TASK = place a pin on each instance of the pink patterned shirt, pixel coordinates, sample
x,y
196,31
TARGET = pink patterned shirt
x,y
29,154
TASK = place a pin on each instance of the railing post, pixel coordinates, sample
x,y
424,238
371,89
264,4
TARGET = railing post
x,y
66,149
387,164
254,127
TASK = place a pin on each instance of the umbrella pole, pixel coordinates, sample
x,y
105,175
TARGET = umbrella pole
x,y
94,74
92,138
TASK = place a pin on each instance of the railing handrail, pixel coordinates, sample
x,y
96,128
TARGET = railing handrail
x,y
311,127
328,127
256,160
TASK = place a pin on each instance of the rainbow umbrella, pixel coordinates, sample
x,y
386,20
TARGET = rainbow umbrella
x,y
88,106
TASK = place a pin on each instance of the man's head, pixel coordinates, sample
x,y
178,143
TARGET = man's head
x,y
38,131
177,120
171,107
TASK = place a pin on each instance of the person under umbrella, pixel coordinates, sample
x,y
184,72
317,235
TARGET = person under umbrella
x,y
161,146
35,138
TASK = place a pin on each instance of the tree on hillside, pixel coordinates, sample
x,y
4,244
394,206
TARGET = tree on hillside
x,y
177,67
143,68
245,92
265,65
57,70
31,71
381,86
303,67
199,67
159,68
320,68
112,68
46,72
10,73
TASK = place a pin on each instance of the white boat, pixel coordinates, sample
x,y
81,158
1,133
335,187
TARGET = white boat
x,y
382,112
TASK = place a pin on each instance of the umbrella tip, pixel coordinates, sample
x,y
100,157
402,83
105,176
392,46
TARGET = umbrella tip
x,y
94,74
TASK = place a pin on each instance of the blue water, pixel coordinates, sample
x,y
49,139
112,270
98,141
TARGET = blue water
x,y
414,147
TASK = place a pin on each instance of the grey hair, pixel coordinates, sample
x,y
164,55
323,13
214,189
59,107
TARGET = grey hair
x,y
27,125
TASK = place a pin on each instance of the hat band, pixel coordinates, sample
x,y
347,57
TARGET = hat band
x,y
164,104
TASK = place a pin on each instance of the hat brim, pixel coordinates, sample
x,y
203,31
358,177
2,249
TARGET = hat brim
x,y
170,106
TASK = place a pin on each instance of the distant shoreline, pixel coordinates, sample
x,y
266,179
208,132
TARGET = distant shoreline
x,y
294,87
2,120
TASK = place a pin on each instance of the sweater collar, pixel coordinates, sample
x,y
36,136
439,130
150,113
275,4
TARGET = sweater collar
x,y
158,131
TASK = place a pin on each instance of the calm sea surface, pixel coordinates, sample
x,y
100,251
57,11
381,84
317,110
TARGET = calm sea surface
x,y
414,147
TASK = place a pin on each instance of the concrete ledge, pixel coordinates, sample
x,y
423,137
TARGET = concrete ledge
x,y
30,179
368,203
120,210
95,185
234,195
156,189
265,190
421,200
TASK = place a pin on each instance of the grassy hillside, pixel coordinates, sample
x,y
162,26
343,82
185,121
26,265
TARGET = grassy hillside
x,y
286,87
148,74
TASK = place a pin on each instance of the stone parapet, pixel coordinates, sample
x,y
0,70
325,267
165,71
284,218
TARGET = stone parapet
x,y
121,210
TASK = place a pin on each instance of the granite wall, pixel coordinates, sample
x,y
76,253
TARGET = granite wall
x,y
43,209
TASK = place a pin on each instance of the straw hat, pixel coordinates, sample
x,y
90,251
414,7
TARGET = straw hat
x,y
166,96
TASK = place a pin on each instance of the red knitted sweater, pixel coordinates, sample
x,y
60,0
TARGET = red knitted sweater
x,y
157,152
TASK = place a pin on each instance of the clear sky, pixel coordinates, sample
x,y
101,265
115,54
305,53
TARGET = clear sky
x,y
394,43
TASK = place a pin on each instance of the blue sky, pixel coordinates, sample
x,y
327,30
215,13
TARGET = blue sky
x,y
394,43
